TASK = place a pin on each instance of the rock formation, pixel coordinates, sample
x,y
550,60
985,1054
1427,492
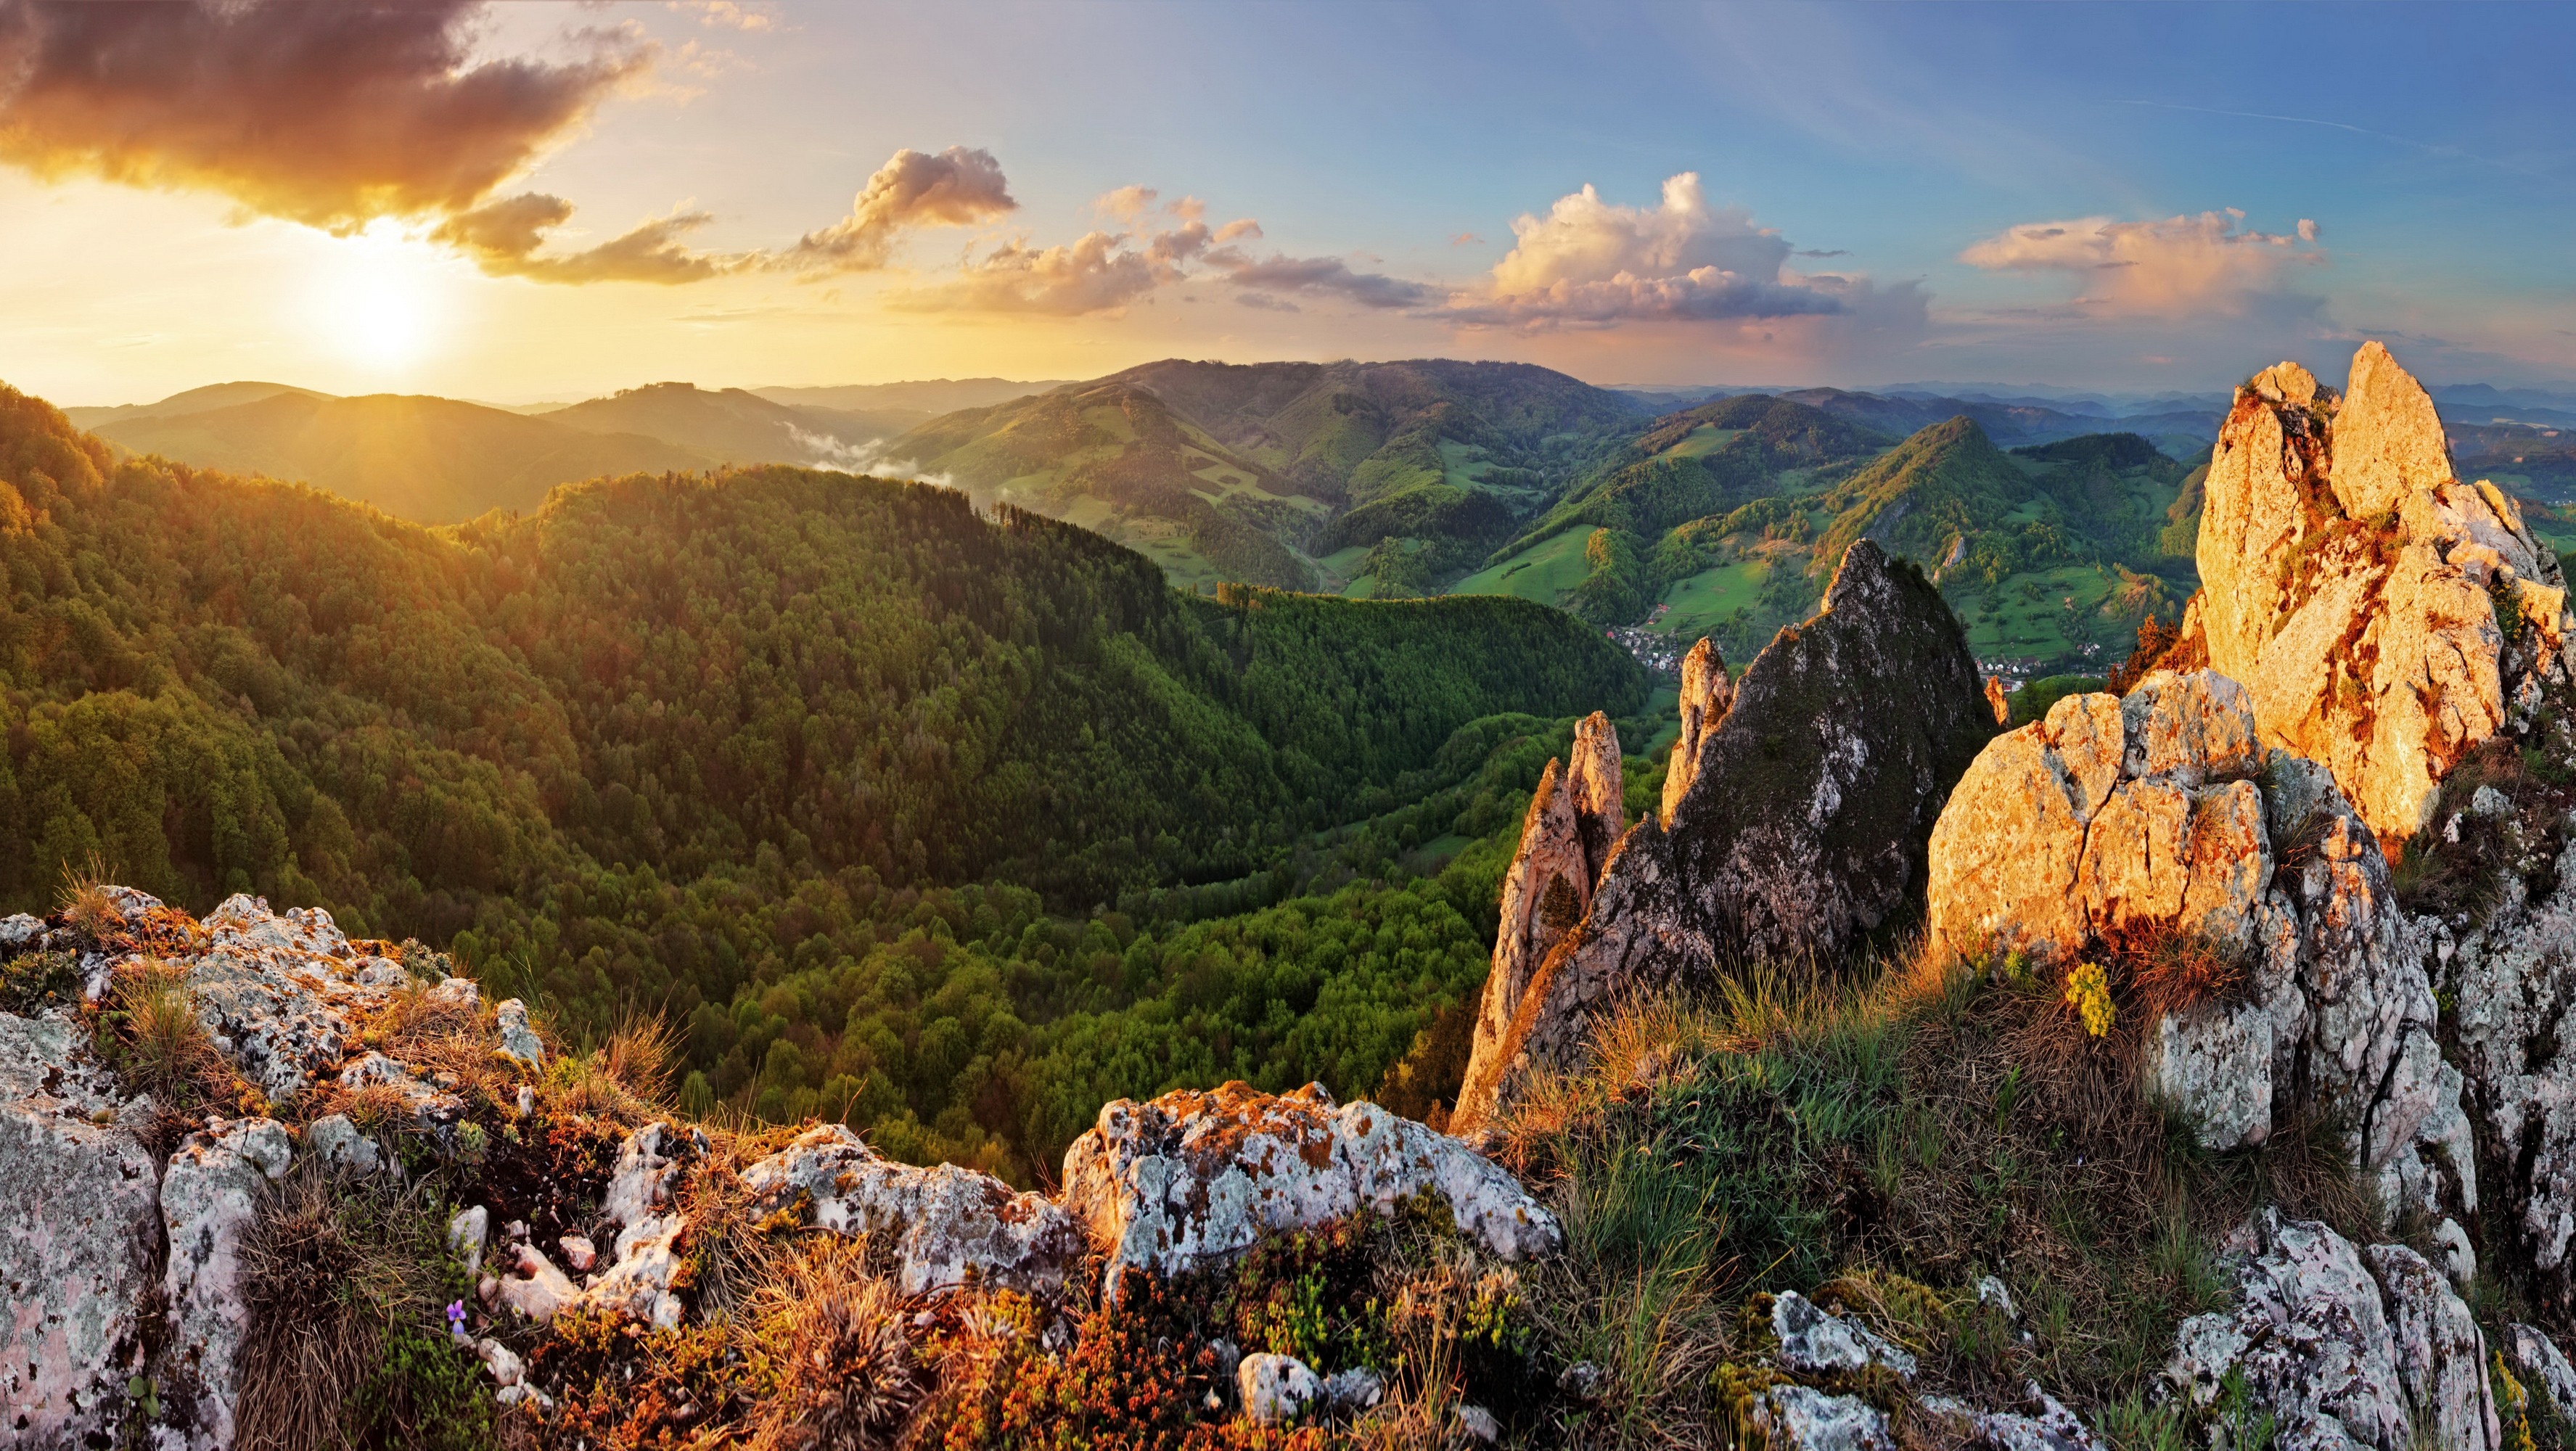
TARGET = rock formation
x,y
1575,817
1708,693
947,1225
1802,825
2386,616
2129,824
1191,1177
2343,1346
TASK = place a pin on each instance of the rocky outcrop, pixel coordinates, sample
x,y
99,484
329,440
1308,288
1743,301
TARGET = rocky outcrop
x,y
2342,1345
1801,828
209,1196
78,1239
1190,1178
2512,978
2156,823
2386,616
947,1225
1575,816
1708,693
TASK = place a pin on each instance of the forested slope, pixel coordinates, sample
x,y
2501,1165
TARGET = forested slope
x,y
688,742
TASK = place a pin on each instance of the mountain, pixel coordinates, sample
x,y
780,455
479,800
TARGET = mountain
x,y
195,400
1280,473
927,397
734,425
431,460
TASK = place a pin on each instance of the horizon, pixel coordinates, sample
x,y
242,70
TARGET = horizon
x,y
551,203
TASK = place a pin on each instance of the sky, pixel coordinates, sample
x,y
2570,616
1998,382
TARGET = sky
x,y
541,201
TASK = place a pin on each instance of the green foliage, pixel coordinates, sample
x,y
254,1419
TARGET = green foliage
x,y
2033,701
951,825
1615,590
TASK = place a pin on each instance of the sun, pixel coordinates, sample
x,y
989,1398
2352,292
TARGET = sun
x,y
378,303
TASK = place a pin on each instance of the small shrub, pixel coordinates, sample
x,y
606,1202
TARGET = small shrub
x,y
848,1380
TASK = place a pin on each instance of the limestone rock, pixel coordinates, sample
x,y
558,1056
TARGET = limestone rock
x,y
533,1286
1995,701
77,1244
2542,1368
518,1040
1349,1392
2351,583
1574,818
2387,439
1277,1389
1797,1418
281,994
1814,1341
1193,1177
1802,827
1708,693
2513,979
2343,1346
208,1199
948,1225
2120,822
467,1233
429,1107
1476,1424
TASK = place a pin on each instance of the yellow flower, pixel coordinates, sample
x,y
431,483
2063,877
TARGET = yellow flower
x,y
2088,991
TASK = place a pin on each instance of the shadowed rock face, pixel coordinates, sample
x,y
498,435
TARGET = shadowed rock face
x,y
1801,828
2386,616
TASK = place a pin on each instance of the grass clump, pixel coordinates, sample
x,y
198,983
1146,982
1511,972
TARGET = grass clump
x,y
347,1281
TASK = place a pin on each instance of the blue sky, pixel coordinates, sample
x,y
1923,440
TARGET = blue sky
x,y
1965,193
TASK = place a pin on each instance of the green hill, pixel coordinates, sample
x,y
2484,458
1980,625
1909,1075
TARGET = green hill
x,y
1289,474
732,425
941,821
432,460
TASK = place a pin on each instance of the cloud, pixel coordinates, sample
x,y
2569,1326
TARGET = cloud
x,y
726,14
1099,273
329,115
1591,263
503,237
1466,239
2183,264
1265,302
1320,276
954,188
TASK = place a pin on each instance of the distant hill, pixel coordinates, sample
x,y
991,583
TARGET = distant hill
x,y
195,400
928,397
430,460
1284,473
735,425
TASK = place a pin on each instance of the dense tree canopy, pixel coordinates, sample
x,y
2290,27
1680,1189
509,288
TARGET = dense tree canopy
x,y
837,773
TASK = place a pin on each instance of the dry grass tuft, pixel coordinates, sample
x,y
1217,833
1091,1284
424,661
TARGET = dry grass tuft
x,y
626,1078
2172,970
848,1380
85,902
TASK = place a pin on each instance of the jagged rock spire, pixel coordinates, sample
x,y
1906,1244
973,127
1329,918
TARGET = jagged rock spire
x,y
2364,595
1707,694
1575,817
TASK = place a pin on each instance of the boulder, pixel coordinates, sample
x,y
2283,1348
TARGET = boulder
x,y
1277,1389
2542,1368
2353,585
1575,816
1814,1341
209,1196
1708,693
1191,1177
518,1040
1802,827
2343,1346
947,1225
282,995
78,1241
531,1285
2123,823
1798,1418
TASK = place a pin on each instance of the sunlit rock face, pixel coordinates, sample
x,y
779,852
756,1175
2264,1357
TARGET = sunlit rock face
x,y
1812,787
2385,615
1574,819
2122,823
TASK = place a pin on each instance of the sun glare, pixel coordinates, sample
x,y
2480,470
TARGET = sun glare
x,y
378,305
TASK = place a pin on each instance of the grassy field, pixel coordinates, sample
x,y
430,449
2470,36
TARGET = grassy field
x,y
1701,601
2032,616
1542,572
1705,439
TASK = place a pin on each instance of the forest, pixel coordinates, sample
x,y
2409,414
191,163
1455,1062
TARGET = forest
x,y
949,823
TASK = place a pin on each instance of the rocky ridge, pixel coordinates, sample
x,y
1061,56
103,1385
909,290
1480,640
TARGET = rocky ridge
x,y
1807,793
138,1277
